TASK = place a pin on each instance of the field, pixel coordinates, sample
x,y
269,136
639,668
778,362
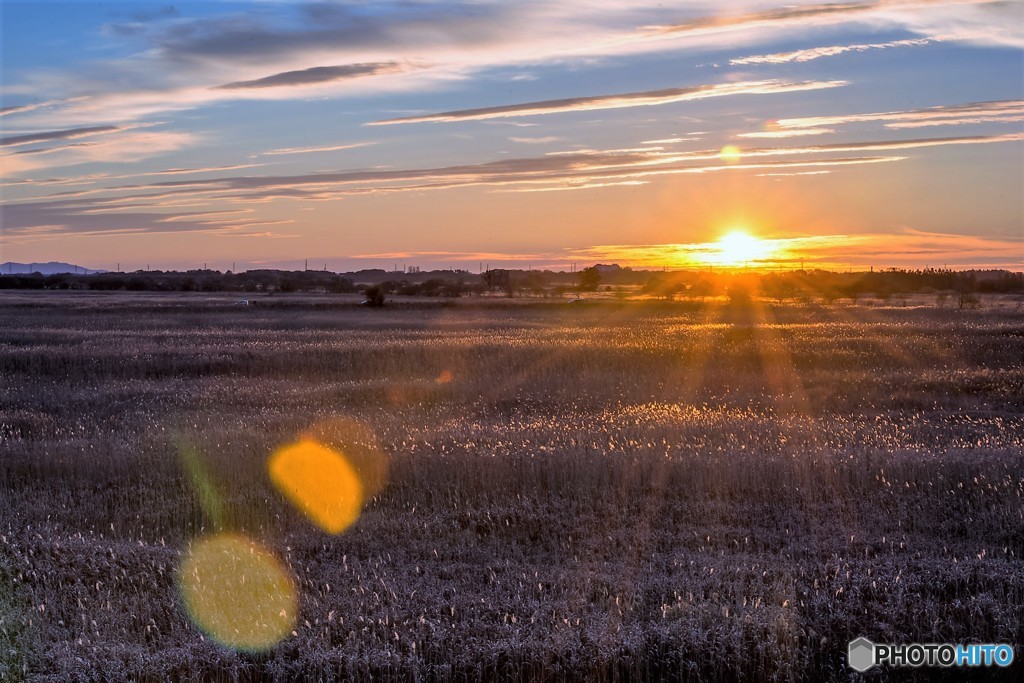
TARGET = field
x,y
605,491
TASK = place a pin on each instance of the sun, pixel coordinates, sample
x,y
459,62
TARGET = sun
x,y
737,248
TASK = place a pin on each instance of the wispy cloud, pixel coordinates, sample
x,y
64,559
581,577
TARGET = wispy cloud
x,y
312,150
578,186
945,115
453,255
359,48
619,101
535,141
314,75
591,169
184,171
819,52
788,133
51,135
803,15
126,146
24,108
790,175
662,141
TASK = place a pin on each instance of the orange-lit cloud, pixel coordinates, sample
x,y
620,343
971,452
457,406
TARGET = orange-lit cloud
x,y
907,248
904,248
591,169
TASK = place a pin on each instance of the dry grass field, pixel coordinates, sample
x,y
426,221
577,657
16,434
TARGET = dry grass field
x,y
609,491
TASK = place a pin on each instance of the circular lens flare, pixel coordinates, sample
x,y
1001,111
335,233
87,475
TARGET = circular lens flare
x,y
320,482
238,593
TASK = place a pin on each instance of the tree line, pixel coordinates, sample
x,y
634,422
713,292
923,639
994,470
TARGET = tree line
x,y
804,285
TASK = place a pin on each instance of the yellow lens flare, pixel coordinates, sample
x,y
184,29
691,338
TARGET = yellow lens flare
x,y
738,248
320,482
238,593
210,499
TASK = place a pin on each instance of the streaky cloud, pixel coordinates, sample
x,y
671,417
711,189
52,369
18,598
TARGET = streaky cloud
x,y
535,141
798,14
24,108
618,101
791,174
787,133
311,150
819,52
314,75
185,171
579,186
51,135
592,169
972,112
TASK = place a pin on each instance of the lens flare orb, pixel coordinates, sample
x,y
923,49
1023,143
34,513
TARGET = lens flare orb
x,y
238,593
320,482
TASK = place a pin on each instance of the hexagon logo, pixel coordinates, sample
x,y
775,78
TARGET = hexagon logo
x,y
861,654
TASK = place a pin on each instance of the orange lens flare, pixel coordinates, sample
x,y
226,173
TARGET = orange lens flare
x,y
238,593
320,482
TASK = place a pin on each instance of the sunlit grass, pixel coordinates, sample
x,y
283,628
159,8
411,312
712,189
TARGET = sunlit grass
x,y
597,494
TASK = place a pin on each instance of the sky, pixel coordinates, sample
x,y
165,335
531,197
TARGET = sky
x,y
383,134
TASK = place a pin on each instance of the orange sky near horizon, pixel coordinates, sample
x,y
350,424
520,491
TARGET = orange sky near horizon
x,y
458,135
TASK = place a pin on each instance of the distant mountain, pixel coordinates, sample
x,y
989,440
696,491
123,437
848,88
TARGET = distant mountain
x,y
50,268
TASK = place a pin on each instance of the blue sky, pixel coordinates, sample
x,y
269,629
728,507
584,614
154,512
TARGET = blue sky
x,y
360,134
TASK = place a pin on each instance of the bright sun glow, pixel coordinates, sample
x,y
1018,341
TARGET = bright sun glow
x,y
738,248
730,154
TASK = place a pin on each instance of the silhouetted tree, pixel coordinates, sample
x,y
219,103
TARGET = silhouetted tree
x,y
589,279
374,296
